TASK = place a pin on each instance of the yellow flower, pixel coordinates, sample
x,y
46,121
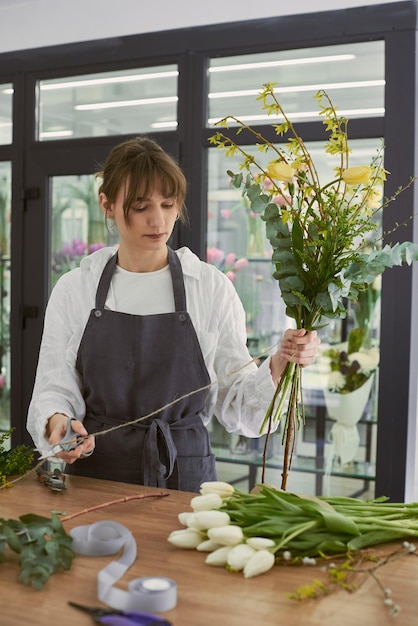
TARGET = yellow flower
x,y
374,198
357,175
280,170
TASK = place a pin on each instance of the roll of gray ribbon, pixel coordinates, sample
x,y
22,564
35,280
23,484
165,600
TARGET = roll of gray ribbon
x,y
150,594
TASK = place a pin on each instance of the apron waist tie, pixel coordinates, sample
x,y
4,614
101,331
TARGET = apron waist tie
x,y
153,468
160,431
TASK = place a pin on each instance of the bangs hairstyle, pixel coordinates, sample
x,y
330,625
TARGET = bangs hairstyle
x,y
144,165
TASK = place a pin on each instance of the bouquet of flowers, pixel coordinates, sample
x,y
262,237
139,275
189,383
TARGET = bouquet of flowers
x,y
320,232
350,367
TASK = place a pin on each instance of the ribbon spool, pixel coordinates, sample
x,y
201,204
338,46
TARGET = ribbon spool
x,y
153,594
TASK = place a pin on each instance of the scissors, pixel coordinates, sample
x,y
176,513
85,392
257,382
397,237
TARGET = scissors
x,y
113,617
70,441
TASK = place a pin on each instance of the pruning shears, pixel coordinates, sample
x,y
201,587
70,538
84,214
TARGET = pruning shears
x,y
114,617
55,480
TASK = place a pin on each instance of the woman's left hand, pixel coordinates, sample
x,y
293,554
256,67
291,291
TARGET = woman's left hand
x,y
298,346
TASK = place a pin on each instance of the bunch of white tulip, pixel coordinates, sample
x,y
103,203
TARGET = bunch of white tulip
x,y
210,530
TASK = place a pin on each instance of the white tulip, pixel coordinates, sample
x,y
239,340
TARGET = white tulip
x,y
206,502
260,543
186,538
260,562
183,517
208,546
226,535
224,490
218,557
239,556
202,520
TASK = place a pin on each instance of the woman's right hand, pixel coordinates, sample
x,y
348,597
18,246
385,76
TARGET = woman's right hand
x,y
56,429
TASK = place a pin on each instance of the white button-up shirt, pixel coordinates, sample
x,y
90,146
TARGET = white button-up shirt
x,y
240,392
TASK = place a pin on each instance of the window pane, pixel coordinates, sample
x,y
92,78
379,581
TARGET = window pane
x,y
6,99
5,195
352,74
78,225
234,233
111,103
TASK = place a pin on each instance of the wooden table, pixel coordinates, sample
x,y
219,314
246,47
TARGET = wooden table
x,y
206,595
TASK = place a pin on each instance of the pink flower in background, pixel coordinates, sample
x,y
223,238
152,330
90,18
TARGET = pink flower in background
x,y
228,264
283,200
240,263
230,259
214,255
93,247
226,213
75,249
2,381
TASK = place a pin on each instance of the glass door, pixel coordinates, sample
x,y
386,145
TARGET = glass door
x,y
330,457
63,223
5,275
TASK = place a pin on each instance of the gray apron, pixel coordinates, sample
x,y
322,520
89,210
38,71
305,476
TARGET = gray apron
x,y
130,366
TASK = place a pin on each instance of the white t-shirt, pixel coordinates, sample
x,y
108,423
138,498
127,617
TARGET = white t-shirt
x,y
141,293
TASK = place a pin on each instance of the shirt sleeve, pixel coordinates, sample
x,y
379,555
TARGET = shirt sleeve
x,y
244,389
57,387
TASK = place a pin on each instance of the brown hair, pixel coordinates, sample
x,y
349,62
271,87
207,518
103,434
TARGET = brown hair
x,y
144,164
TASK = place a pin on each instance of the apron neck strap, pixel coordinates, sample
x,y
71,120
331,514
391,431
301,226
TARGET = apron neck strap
x,y
178,282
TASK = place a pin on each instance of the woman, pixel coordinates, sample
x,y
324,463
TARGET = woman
x,y
146,331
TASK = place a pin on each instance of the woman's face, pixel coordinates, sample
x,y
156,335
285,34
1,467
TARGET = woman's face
x,y
150,220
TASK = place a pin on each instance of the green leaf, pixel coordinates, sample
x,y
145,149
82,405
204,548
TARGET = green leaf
x,y
297,235
236,179
355,340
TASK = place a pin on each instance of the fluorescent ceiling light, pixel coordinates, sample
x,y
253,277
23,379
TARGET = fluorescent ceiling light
x,y
298,88
107,81
124,103
302,61
172,124
55,133
303,114
5,124
8,91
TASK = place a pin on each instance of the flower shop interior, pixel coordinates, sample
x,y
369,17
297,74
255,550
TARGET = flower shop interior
x,y
72,88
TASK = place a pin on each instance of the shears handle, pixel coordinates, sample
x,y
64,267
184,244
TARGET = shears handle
x,y
133,618
70,439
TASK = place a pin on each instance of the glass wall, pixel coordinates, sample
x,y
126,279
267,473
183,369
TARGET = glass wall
x,y
78,225
109,103
6,99
5,275
237,244
352,75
